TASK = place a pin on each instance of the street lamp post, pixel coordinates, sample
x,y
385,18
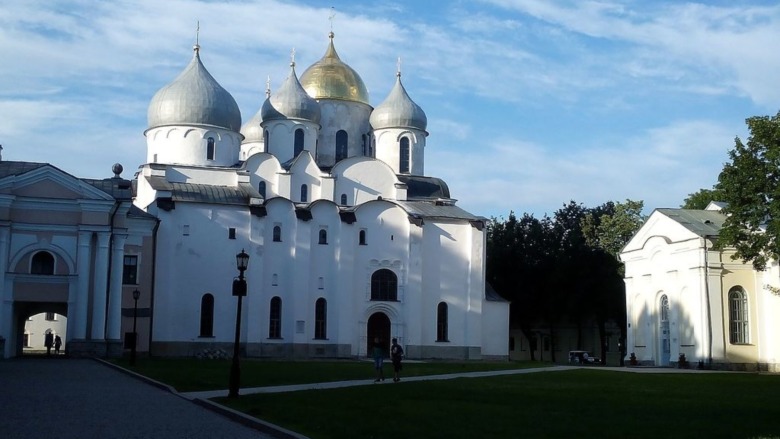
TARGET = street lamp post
x,y
136,295
239,290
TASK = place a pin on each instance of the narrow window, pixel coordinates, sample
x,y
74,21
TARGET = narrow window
x,y
210,149
384,285
362,237
323,237
277,234
50,316
441,322
275,318
207,316
341,145
261,188
404,164
42,263
130,270
364,144
232,233
266,143
320,319
304,193
738,317
298,148
343,199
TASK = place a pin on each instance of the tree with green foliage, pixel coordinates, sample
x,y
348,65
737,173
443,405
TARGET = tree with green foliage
x,y
700,199
611,225
750,184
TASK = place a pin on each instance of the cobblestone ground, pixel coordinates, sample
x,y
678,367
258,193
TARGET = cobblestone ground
x,y
69,398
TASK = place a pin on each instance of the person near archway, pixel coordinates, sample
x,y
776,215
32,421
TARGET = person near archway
x,y
57,344
48,341
396,354
379,356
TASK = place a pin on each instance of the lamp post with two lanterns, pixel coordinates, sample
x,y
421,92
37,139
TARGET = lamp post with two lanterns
x,y
239,290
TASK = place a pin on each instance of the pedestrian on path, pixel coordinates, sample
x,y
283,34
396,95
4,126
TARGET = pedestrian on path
x,y
57,344
396,354
379,356
48,341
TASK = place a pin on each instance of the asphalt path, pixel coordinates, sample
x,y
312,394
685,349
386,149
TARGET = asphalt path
x,y
81,398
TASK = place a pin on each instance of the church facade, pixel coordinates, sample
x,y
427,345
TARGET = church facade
x,y
684,298
348,239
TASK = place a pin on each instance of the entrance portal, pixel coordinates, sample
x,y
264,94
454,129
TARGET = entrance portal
x,y
378,327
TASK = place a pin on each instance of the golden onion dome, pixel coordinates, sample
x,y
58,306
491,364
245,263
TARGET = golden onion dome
x,y
331,78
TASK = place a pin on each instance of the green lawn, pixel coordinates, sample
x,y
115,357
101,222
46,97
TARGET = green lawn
x,y
563,404
570,404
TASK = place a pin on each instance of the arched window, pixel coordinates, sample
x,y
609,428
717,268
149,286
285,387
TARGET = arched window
x,y
441,322
42,263
362,237
664,308
261,188
298,148
384,285
323,237
321,319
343,199
738,317
277,234
341,145
275,318
266,141
304,193
207,316
210,149
403,166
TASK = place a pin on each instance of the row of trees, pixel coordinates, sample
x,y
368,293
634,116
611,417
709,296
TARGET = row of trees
x,y
564,268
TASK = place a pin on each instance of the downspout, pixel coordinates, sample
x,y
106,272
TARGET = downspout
x,y
709,305
154,273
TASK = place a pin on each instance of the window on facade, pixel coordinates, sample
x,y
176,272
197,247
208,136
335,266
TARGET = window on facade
x,y
277,234
42,263
130,270
207,316
403,166
232,233
384,285
320,319
341,145
266,143
26,340
261,188
362,237
364,144
323,237
441,322
738,317
210,149
304,193
50,316
298,147
664,308
343,199
275,319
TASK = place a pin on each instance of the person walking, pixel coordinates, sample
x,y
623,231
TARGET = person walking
x,y
57,344
379,356
396,354
48,341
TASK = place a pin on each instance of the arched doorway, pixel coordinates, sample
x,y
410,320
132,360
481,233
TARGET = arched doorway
x,y
378,327
33,320
664,342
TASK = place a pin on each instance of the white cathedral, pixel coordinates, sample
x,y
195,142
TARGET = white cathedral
x,y
347,239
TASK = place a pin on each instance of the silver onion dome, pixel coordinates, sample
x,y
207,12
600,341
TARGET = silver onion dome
x,y
252,130
291,102
194,98
398,110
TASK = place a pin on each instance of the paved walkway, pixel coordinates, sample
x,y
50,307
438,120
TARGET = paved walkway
x,y
54,397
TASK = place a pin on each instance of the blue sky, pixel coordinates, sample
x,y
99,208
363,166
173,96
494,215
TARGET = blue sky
x,y
530,103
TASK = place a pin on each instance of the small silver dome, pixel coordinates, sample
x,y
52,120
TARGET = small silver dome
x,y
194,98
398,111
291,102
252,130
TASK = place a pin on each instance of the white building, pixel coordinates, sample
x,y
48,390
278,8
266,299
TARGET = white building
x,y
348,239
683,297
